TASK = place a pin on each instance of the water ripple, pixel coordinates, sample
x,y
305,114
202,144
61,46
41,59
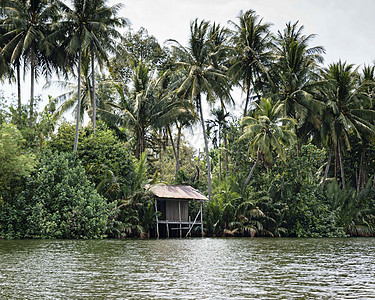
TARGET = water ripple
x,y
188,269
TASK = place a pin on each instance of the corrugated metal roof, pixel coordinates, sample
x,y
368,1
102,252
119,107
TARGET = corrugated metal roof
x,y
177,192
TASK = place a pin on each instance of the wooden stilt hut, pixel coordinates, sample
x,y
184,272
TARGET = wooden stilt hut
x,y
172,207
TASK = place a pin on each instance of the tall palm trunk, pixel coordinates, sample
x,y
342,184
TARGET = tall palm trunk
x,y
176,150
93,92
336,161
138,145
295,130
79,99
220,162
360,171
179,128
252,169
205,146
226,154
327,167
247,99
139,149
19,108
161,155
32,74
341,164
142,146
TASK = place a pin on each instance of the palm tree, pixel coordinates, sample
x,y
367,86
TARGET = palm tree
x,y
220,126
69,99
252,42
269,132
348,110
296,73
147,105
197,75
88,27
27,25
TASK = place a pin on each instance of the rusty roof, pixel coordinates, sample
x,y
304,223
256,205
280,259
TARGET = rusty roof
x,y
177,192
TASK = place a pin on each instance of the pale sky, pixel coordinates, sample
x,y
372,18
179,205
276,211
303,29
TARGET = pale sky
x,y
346,28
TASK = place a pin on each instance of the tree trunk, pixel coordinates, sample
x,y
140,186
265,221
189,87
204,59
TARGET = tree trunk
x,y
219,156
142,145
341,165
252,169
226,155
247,101
19,90
32,74
360,171
93,92
336,161
176,162
138,145
327,166
206,146
178,150
161,156
196,175
79,100
295,129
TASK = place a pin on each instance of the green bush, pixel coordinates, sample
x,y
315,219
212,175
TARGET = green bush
x,y
16,163
107,160
62,203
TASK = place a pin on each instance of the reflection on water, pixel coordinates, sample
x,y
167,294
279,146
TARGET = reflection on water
x,y
188,269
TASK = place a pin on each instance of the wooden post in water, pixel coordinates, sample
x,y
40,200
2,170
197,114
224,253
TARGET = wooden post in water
x,y
189,233
167,230
179,215
157,219
201,206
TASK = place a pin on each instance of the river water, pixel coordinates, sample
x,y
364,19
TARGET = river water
x,y
188,269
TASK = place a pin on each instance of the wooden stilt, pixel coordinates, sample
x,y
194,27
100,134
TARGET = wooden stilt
x,y
192,225
179,215
167,230
201,208
157,219
189,233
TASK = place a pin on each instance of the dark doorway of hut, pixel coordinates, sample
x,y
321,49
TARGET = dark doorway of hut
x,y
172,210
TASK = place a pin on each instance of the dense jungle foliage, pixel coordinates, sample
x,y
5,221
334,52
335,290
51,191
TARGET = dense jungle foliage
x,y
297,160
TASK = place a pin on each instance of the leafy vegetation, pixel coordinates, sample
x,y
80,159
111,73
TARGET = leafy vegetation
x,y
298,160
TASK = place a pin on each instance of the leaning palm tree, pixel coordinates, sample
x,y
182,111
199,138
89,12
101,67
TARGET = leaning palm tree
x,y
269,131
251,42
198,75
348,110
88,27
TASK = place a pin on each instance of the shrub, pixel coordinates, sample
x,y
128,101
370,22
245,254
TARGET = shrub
x,y
61,202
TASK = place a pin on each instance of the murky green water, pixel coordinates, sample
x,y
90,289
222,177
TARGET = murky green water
x,y
188,269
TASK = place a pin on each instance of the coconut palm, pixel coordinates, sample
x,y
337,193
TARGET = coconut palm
x,y
198,76
296,73
146,105
27,25
252,41
269,131
69,100
88,27
348,110
219,127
